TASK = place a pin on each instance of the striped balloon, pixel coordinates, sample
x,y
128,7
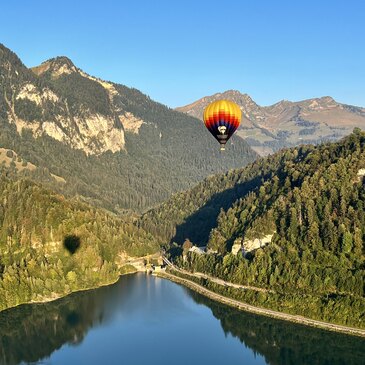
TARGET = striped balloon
x,y
222,118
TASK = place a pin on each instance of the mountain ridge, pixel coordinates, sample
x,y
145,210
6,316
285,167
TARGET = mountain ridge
x,y
99,136
287,123
62,64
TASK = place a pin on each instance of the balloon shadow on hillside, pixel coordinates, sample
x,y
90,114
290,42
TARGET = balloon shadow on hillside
x,y
72,243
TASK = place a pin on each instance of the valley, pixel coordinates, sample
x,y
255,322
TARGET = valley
x,y
282,234
182,183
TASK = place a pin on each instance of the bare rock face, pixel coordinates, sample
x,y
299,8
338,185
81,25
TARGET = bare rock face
x,y
237,246
250,245
130,122
45,110
32,93
93,133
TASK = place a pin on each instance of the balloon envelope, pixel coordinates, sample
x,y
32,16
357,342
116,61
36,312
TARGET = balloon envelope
x,y
222,118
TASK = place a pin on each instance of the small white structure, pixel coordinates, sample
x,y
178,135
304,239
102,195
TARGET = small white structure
x,y
159,268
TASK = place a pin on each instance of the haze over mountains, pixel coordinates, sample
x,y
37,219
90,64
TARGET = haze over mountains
x,y
286,123
103,142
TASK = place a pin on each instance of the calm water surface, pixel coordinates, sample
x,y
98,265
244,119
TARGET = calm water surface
x,y
147,320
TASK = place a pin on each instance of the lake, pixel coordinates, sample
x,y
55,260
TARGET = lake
x,y
147,320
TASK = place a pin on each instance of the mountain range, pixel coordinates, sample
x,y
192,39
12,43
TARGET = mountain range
x,y
289,226
108,144
286,124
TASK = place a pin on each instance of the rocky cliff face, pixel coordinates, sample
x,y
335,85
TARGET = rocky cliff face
x,y
80,127
41,105
36,103
287,123
250,245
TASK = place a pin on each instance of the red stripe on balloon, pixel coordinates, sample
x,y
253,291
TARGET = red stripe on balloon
x,y
224,116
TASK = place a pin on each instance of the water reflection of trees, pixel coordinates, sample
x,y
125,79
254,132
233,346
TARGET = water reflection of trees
x,y
30,333
286,343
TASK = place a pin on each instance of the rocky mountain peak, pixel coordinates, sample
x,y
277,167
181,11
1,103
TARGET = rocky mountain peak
x,y
231,95
56,67
243,100
287,123
328,99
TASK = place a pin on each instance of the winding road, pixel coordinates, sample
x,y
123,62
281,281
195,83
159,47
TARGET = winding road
x,y
250,308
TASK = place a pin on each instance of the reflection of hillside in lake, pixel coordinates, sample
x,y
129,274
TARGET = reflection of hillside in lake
x,y
284,342
144,319
31,332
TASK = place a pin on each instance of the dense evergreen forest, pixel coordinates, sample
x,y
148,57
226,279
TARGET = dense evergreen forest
x,y
170,152
312,199
51,246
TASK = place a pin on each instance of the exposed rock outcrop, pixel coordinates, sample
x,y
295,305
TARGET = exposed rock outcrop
x,y
250,245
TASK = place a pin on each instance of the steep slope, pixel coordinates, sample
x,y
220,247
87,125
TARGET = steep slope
x,y
110,144
51,246
286,123
71,109
193,213
297,218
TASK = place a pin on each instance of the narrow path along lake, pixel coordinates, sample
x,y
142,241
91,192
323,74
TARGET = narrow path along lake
x,y
147,320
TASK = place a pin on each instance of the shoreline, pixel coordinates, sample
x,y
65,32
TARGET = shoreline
x,y
60,296
221,299
132,263
259,310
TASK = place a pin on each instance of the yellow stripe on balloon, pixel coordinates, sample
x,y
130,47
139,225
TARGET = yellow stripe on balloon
x,y
225,106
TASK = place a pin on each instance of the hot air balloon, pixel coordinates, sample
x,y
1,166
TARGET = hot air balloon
x,y
222,118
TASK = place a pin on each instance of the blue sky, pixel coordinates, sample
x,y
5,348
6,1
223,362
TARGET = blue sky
x,y
179,51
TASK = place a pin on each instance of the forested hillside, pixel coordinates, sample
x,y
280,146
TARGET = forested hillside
x,y
109,144
51,246
312,199
193,213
